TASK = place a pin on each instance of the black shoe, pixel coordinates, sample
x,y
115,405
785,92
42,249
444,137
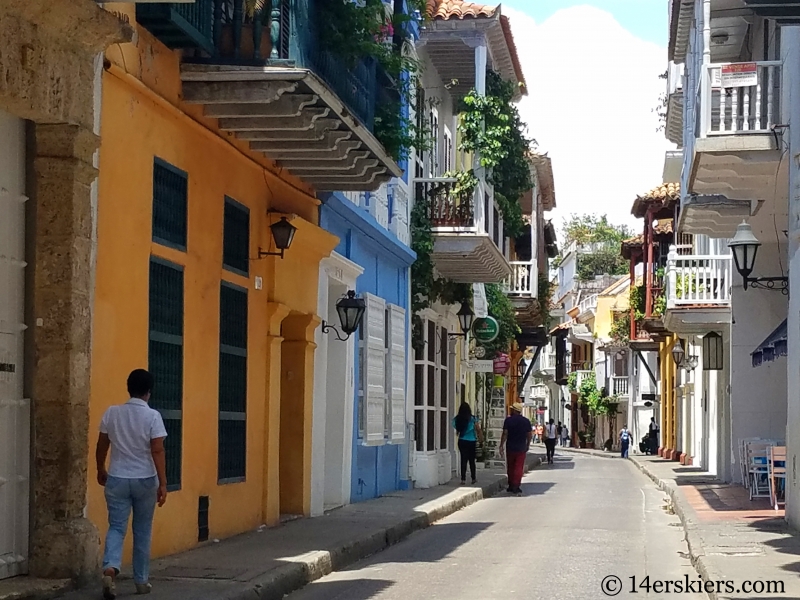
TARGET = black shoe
x,y
474,481
463,482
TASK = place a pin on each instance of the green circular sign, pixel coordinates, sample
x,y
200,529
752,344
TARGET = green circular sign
x,y
486,329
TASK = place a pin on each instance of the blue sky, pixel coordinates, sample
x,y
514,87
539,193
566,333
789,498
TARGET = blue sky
x,y
646,19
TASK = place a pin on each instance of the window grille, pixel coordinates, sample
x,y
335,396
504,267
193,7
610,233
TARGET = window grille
x,y
232,443
165,358
170,204
236,237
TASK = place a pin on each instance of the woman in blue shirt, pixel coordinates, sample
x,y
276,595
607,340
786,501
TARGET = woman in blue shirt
x,y
469,433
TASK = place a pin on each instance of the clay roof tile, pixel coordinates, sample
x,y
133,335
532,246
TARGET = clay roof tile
x,y
458,9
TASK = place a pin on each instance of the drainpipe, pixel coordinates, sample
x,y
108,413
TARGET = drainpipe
x,y
790,105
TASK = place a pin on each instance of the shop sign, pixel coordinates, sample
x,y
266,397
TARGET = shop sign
x,y
739,75
479,366
486,330
501,364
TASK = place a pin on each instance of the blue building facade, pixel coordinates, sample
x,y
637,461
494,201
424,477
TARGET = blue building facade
x,y
379,465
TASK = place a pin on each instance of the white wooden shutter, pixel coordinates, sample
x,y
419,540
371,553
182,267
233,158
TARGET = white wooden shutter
x,y
375,369
397,372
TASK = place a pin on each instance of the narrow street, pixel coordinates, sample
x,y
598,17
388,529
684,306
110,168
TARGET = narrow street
x,y
581,520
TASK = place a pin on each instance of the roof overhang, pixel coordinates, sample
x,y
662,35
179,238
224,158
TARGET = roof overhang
x,y
680,26
294,118
450,45
714,215
544,173
774,346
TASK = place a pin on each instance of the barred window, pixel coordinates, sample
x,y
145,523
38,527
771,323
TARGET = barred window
x,y
170,204
165,358
236,237
232,449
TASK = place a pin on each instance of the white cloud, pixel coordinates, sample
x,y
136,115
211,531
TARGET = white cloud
x,y
592,87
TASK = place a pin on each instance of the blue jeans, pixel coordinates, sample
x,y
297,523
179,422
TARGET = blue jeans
x,y
624,452
122,496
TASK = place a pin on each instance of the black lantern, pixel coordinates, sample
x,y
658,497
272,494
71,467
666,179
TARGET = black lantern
x,y
283,235
521,368
678,352
712,352
351,312
465,318
744,246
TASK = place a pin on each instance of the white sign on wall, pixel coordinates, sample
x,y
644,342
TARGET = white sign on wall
x,y
736,75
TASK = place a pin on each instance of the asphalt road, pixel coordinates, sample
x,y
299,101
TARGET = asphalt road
x,y
580,521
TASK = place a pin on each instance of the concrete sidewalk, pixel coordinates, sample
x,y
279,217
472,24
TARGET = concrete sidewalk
x,y
730,538
271,562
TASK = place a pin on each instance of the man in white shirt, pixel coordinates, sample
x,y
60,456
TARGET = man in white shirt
x,y
135,480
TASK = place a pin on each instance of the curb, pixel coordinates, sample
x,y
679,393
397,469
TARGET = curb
x,y
696,551
315,565
588,452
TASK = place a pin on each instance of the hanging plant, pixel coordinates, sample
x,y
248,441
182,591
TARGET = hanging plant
x,y
491,126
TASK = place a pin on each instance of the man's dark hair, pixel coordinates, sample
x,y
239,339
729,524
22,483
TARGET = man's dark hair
x,y
140,383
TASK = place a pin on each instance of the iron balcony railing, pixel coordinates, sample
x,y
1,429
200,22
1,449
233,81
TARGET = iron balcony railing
x,y
284,33
461,210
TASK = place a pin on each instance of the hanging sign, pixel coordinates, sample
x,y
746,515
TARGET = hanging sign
x,y
479,366
486,329
501,364
739,75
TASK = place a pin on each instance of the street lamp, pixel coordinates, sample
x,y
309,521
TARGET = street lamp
x,y
351,312
283,235
465,319
678,353
744,246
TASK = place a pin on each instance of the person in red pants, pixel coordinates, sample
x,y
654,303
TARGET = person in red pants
x,y
514,445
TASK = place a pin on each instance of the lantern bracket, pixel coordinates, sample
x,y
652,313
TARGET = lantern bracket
x,y
326,328
780,284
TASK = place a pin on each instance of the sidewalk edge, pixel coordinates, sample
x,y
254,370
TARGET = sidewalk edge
x,y
313,566
696,551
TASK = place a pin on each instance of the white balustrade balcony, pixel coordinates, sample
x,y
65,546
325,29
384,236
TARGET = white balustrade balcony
x,y
698,289
588,304
523,280
731,151
620,386
470,245
582,375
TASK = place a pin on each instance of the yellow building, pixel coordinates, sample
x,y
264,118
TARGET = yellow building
x,y
185,202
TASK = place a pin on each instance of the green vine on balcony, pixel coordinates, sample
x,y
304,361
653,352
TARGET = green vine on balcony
x,y
621,328
491,126
426,287
356,32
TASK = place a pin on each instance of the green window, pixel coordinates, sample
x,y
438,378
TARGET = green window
x,y
236,237
170,204
232,449
165,357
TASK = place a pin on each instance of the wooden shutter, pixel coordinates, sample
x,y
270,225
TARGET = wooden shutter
x,y
397,372
375,369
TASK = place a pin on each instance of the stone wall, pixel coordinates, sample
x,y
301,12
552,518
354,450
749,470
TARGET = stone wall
x,y
48,53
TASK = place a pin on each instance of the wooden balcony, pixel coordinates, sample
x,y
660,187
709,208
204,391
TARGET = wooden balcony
x,y
269,82
469,242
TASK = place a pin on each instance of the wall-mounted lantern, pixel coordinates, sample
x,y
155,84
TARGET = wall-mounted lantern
x,y
282,235
351,313
745,247
679,356
465,318
712,352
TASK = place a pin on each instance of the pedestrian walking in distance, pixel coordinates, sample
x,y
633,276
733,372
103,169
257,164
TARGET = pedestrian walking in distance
x,y
653,439
469,434
564,436
135,480
624,441
551,437
514,445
